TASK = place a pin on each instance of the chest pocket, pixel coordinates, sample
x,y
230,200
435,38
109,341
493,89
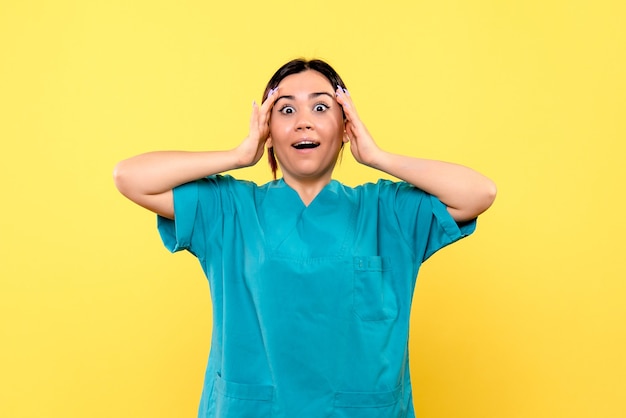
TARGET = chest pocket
x,y
374,296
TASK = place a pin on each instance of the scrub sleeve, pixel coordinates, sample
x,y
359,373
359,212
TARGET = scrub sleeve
x,y
429,214
176,235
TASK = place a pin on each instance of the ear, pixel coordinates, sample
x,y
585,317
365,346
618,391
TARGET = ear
x,y
268,142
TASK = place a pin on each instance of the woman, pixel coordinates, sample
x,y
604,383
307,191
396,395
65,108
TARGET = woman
x,y
311,280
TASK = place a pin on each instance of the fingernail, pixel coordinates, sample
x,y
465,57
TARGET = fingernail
x,y
346,91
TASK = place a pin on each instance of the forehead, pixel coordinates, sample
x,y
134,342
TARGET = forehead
x,y
309,81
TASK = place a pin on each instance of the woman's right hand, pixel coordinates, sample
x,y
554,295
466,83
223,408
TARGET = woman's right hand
x,y
251,149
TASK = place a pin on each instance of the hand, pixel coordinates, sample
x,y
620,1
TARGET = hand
x,y
251,149
362,145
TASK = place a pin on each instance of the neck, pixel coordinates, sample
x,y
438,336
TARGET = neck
x,y
307,189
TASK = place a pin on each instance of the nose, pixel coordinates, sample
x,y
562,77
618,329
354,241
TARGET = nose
x,y
303,123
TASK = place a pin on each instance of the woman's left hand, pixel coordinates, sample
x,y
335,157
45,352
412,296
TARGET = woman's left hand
x,y
362,144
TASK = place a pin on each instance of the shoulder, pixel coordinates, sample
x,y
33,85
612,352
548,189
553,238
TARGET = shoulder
x,y
384,189
228,183
240,195
217,192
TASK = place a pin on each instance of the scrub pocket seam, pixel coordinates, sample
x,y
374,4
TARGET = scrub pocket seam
x,y
250,392
374,299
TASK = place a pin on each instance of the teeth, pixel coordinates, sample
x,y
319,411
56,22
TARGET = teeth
x,y
305,144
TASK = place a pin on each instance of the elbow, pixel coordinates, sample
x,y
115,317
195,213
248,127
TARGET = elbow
x,y
485,197
120,177
489,194
481,199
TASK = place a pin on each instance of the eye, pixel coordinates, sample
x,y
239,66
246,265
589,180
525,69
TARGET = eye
x,y
321,107
287,110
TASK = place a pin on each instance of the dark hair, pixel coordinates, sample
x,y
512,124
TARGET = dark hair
x,y
294,67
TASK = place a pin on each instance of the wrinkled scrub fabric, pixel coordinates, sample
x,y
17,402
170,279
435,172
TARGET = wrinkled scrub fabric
x,y
310,303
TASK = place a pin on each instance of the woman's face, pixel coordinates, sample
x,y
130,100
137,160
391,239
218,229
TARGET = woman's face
x,y
306,127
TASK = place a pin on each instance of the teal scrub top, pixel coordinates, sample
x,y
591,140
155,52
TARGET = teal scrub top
x,y
311,303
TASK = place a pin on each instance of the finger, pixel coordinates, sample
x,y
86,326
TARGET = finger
x,y
344,99
272,96
351,130
254,115
268,104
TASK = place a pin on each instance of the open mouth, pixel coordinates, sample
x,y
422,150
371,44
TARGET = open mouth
x,y
306,144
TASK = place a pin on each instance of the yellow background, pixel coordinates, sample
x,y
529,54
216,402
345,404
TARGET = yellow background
x,y
527,318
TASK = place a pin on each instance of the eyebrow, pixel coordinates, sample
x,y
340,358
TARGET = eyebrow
x,y
311,96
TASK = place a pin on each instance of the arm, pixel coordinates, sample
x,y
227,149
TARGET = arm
x,y
464,191
148,179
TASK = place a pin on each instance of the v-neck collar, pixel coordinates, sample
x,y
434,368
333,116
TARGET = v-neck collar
x,y
329,191
286,218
